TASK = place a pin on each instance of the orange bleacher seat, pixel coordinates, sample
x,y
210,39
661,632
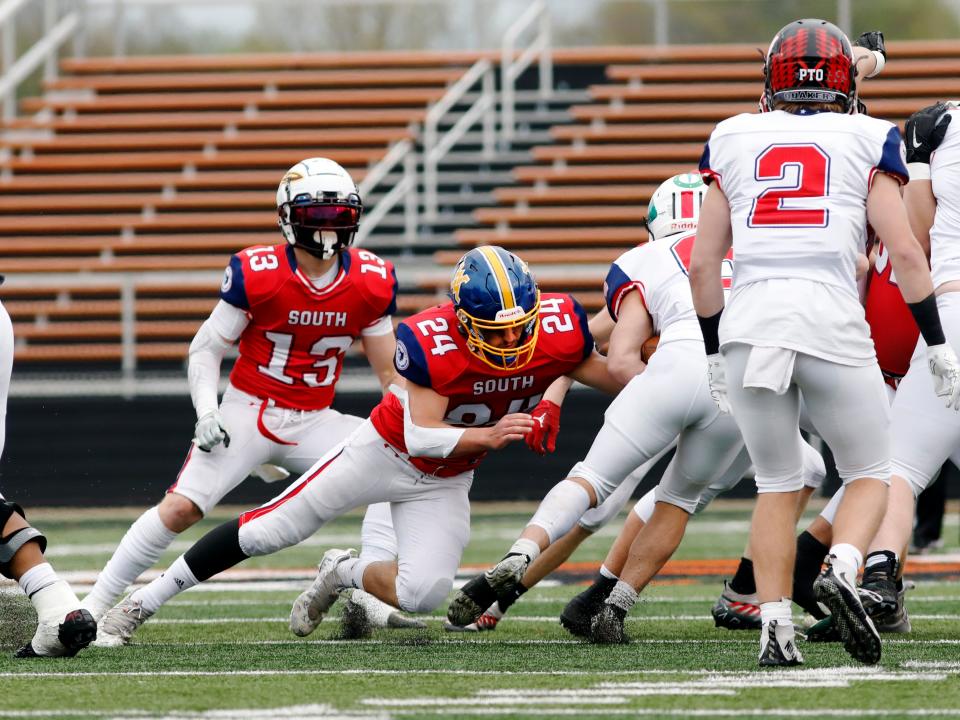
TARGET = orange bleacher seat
x,y
626,153
545,237
588,215
178,102
574,194
252,80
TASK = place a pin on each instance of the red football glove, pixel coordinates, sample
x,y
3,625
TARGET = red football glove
x,y
546,426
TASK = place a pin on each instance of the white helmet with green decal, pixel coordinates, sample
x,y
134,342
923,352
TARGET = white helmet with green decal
x,y
675,206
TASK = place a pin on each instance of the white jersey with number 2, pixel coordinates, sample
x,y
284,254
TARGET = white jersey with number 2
x,y
797,186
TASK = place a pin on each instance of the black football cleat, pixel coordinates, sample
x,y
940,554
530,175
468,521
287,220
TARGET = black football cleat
x,y
608,627
579,612
473,599
857,631
778,646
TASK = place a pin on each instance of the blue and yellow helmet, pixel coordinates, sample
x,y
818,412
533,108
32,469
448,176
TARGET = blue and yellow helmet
x,y
493,290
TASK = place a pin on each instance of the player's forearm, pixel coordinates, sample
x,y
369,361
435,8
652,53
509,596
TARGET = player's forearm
x,y
625,364
558,390
921,209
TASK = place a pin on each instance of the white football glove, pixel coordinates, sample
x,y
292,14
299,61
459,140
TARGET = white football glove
x,y
717,375
945,369
210,431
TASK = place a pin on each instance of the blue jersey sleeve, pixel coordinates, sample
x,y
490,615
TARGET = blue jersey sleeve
x,y
613,287
584,325
893,157
232,289
410,360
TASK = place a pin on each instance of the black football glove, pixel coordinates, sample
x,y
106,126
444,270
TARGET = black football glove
x,y
925,131
872,40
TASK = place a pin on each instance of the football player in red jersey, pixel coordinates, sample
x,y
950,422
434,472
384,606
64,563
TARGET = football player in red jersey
x,y
473,369
295,308
63,627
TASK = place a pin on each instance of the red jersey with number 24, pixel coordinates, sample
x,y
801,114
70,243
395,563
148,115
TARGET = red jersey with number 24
x,y
292,350
433,353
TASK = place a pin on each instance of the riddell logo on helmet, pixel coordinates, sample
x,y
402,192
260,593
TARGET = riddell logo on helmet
x,y
515,312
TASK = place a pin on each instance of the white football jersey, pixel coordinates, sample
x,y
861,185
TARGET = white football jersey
x,y
658,271
945,233
797,187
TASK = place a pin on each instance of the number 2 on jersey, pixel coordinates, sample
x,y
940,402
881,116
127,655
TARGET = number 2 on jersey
x,y
806,170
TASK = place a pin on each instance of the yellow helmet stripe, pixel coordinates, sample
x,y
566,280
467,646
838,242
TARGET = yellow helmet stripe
x,y
500,273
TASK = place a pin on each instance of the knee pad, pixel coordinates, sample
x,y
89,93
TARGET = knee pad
x,y
424,595
561,509
603,487
10,544
644,507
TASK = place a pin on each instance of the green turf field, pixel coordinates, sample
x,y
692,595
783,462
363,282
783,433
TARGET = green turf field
x,y
226,651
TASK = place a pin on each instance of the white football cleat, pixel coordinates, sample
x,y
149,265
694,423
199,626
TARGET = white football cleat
x,y
314,602
117,626
363,613
63,639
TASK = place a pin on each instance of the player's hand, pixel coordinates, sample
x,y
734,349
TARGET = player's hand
x,y
945,369
872,40
546,425
210,431
717,376
508,429
925,131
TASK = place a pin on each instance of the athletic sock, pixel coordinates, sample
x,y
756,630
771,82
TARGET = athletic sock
x,y
605,574
622,596
350,572
509,597
139,550
37,578
851,560
743,582
52,597
809,562
174,581
780,610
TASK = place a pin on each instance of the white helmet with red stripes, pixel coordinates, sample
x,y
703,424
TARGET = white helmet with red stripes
x,y
675,206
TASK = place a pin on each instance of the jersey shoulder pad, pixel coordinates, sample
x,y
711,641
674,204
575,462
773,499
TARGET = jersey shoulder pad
x,y
622,277
255,273
376,277
564,328
427,353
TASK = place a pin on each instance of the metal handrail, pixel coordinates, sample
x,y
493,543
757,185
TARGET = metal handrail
x,y
14,70
400,154
435,147
511,67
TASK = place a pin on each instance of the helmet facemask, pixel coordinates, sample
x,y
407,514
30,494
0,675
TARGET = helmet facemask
x,y
322,229
526,324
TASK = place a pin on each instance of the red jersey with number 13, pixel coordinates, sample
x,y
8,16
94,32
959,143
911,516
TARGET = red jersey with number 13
x,y
433,353
292,350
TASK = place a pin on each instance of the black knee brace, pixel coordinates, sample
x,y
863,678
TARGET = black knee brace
x,y
10,544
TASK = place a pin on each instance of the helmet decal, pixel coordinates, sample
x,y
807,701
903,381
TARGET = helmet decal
x,y
497,304
675,205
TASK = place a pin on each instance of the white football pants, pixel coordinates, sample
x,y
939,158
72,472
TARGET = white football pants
x,y
431,515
